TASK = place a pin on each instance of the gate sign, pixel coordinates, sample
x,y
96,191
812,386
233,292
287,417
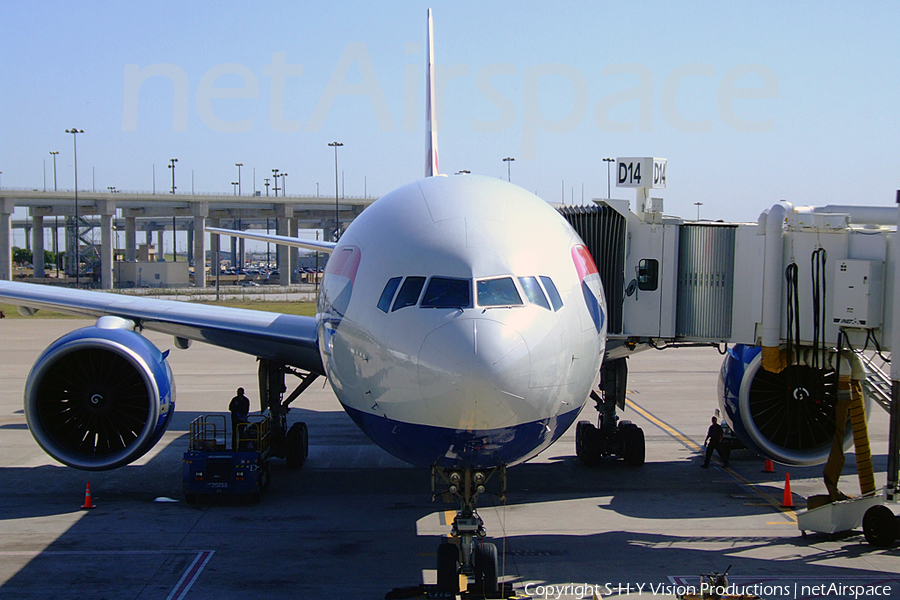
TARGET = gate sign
x,y
641,172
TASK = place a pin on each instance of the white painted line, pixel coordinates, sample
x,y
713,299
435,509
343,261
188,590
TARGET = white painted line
x,y
190,576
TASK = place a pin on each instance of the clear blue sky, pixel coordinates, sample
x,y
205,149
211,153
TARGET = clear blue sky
x,y
558,87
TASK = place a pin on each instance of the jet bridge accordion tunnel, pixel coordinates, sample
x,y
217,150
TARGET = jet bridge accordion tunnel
x,y
603,231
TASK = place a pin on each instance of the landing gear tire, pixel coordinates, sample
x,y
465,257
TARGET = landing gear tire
x,y
587,443
486,569
633,442
448,569
190,498
880,526
296,445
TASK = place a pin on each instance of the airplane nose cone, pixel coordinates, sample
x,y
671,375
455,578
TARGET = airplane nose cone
x,y
474,374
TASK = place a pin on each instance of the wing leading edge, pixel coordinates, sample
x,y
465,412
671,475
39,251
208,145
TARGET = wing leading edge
x,y
289,339
275,239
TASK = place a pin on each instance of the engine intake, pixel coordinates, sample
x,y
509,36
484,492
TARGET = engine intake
x,y
787,416
99,397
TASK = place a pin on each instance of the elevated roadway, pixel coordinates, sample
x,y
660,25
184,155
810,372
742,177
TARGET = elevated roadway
x,y
161,212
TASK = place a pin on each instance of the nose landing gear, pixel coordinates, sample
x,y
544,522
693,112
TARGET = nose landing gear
x,y
469,554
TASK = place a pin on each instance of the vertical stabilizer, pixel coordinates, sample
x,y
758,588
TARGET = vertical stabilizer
x,y
431,160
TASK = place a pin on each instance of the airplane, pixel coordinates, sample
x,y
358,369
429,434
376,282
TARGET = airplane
x,y
461,323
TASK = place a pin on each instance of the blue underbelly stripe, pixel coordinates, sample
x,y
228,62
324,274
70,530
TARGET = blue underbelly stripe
x,y
427,445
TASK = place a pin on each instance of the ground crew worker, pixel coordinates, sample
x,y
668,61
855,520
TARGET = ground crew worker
x,y
239,408
714,437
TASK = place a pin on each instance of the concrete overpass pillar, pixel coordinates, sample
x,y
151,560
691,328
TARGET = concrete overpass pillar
x,y
130,239
215,253
160,255
37,233
295,253
283,215
107,211
7,206
201,212
56,244
234,246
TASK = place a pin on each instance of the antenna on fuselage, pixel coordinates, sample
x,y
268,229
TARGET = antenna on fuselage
x,y
431,160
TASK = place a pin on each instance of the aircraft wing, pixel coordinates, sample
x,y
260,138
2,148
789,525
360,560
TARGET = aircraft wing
x,y
276,239
289,339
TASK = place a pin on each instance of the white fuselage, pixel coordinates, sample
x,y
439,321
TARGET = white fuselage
x,y
440,330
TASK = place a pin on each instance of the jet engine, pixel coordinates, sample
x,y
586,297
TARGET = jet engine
x,y
99,397
787,416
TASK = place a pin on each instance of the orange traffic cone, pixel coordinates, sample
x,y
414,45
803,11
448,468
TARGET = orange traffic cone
x,y
788,501
770,466
87,497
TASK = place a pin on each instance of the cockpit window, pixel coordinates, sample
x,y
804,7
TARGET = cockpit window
x,y
446,292
533,291
387,294
555,299
498,292
409,293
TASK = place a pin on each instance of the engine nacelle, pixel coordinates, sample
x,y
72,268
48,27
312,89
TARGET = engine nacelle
x,y
787,416
99,397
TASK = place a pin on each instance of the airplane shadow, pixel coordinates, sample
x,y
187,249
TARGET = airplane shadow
x,y
351,502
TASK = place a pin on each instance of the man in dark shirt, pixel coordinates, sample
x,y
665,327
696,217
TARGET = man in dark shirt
x,y
714,437
240,408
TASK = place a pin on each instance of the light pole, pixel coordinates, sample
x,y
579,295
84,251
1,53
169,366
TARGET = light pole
x,y
75,133
172,162
337,218
239,165
267,186
608,188
508,160
278,174
698,205
234,185
53,153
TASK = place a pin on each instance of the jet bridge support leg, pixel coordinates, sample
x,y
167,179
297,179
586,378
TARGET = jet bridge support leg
x,y
291,444
880,526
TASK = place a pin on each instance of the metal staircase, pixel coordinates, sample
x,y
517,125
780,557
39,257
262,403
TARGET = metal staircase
x,y
877,384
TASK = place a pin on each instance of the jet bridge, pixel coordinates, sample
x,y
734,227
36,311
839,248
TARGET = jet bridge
x,y
670,280
803,301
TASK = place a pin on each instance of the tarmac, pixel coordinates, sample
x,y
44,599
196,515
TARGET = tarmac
x,y
357,523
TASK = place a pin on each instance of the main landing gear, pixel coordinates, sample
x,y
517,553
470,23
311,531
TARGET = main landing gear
x,y
291,444
469,554
611,437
